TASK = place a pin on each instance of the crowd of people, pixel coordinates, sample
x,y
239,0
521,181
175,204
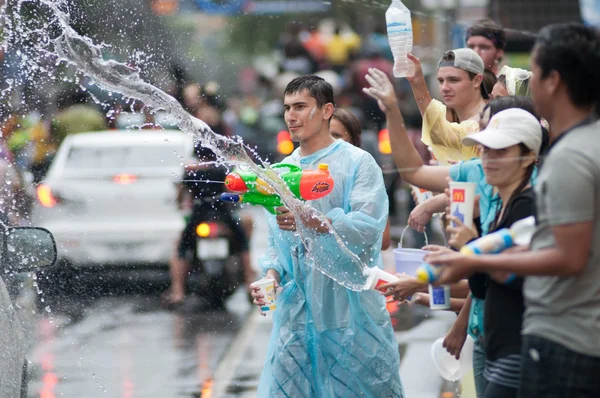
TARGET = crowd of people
x,y
528,141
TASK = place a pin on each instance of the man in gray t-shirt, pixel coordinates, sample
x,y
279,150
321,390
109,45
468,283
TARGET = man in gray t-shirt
x,y
566,309
561,326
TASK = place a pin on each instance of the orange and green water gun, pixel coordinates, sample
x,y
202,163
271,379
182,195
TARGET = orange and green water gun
x,y
247,187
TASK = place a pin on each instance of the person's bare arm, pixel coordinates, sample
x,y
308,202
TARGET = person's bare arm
x,y
418,85
456,305
568,258
405,155
456,336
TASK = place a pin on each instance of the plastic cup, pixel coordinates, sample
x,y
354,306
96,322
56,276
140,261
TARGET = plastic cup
x,y
380,277
439,297
267,289
462,200
421,194
448,366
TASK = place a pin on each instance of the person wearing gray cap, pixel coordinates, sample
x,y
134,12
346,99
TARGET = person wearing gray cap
x,y
460,75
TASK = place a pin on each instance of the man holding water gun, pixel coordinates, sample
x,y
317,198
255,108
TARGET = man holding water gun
x,y
327,340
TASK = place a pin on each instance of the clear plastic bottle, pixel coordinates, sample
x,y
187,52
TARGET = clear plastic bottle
x,y
400,37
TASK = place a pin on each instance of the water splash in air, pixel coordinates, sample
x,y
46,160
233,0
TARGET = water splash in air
x,y
49,36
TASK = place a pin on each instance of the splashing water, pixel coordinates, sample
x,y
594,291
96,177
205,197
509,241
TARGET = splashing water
x,y
326,250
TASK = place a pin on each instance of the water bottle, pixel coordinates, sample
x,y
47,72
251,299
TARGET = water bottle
x,y
400,36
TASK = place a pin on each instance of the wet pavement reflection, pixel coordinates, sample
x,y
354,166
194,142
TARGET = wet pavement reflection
x,y
129,346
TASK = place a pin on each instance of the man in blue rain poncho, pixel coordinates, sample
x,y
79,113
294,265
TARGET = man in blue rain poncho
x,y
327,340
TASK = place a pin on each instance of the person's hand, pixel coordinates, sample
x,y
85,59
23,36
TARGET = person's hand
x,y
459,234
405,287
420,299
316,222
417,71
285,219
257,297
381,89
420,217
455,339
456,266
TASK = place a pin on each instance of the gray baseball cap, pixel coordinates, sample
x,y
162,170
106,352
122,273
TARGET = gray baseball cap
x,y
465,59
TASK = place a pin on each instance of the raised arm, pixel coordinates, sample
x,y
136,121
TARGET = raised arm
x,y
405,155
418,85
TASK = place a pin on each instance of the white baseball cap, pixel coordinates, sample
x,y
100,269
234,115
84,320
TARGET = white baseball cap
x,y
507,128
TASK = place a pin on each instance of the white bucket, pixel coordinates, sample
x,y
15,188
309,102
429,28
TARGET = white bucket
x,y
408,260
448,366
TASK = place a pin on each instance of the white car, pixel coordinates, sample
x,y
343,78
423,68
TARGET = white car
x,y
109,198
22,249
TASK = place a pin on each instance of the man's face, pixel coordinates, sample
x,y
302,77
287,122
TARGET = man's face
x,y
302,116
456,87
486,50
539,89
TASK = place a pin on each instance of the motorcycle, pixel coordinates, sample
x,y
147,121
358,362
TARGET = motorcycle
x,y
216,269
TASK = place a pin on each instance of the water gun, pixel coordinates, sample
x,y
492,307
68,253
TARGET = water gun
x,y
520,233
247,187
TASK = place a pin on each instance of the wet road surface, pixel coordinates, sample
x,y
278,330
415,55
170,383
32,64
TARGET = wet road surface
x,y
129,346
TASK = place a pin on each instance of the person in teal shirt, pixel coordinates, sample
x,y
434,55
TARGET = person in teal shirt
x,y
328,340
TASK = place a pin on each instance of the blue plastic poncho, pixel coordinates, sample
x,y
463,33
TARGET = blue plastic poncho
x,y
329,341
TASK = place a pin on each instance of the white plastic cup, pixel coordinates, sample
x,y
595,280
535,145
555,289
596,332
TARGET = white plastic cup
x,y
462,200
380,277
448,366
439,297
421,194
267,289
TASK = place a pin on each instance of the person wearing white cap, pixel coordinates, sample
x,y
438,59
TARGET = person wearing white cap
x,y
509,146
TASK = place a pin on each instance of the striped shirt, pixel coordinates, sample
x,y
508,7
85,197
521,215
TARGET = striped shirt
x,y
505,371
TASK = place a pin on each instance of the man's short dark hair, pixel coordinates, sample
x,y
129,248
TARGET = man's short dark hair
x,y
573,50
318,88
490,30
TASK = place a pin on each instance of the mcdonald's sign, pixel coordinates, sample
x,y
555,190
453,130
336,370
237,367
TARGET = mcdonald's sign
x,y
458,195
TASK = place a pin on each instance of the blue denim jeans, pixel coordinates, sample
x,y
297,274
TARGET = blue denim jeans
x,y
479,367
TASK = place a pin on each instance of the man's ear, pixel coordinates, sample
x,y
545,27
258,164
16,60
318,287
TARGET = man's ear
x,y
478,81
552,82
328,109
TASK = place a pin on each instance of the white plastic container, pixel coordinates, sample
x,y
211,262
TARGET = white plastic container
x,y
462,199
448,366
379,277
400,37
439,297
421,194
409,260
